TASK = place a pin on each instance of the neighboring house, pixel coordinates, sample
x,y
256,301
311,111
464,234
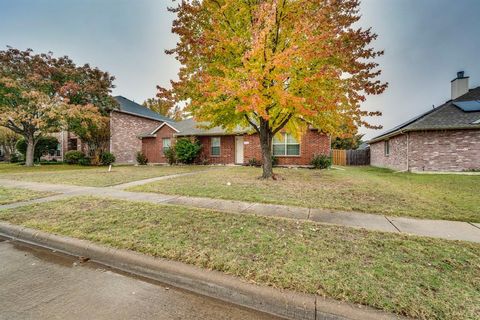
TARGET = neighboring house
x,y
446,138
135,128
237,147
126,124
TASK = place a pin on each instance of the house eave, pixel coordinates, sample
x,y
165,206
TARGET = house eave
x,y
399,132
137,115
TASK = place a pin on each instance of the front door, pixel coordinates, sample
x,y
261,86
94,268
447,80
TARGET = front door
x,y
239,149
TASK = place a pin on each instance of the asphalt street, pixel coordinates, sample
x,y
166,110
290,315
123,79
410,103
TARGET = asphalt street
x,y
36,283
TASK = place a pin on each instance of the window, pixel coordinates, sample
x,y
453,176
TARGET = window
x,y
72,144
215,146
59,150
166,144
387,147
285,145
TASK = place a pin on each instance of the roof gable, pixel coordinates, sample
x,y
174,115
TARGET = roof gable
x,y
445,117
133,108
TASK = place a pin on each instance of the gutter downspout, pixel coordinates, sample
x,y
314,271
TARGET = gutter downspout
x,y
408,151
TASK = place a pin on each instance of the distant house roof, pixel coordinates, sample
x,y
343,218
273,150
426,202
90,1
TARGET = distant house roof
x,y
133,108
448,116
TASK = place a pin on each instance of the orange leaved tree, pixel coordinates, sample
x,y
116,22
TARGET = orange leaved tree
x,y
274,65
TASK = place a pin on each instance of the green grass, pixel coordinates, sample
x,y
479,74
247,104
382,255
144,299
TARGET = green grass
x,y
88,176
11,195
417,277
365,189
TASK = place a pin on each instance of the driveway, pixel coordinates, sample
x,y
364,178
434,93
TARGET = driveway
x,y
41,284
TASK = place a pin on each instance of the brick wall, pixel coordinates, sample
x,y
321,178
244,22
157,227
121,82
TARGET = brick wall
x,y
450,150
124,141
312,143
396,160
227,150
153,147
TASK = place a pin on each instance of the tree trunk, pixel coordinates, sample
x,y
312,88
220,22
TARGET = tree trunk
x,y
266,145
29,155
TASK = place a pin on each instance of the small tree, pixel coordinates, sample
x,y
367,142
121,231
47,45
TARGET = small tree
x,y
274,65
8,141
39,93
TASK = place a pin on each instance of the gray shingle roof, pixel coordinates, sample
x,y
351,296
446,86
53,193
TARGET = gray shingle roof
x,y
445,117
190,127
131,107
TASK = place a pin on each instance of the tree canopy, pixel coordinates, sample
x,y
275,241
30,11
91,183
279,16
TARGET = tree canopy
x,y
40,93
274,65
164,107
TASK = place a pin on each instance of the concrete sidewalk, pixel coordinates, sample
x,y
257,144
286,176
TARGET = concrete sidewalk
x,y
449,230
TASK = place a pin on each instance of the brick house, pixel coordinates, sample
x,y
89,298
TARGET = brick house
x,y
237,147
127,122
446,138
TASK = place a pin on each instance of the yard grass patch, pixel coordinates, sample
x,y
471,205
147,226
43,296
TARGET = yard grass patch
x,y
11,195
418,277
364,189
89,176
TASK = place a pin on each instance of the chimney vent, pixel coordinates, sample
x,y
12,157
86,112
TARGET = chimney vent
x,y
459,85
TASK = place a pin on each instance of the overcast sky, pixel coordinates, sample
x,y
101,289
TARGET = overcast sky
x,y
426,42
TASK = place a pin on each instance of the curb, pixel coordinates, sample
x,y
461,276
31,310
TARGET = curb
x,y
214,284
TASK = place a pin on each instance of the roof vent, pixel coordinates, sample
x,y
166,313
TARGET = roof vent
x,y
476,121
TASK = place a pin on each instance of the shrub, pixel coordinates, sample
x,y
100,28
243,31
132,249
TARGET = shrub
x,y
141,158
187,150
274,161
254,163
107,158
74,157
321,161
14,158
170,155
44,145
85,161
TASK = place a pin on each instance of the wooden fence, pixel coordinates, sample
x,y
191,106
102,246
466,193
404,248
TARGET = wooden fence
x,y
351,157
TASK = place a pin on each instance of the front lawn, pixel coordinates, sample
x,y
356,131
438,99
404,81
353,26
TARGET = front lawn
x,y
88,176
11,195
366,189
418,277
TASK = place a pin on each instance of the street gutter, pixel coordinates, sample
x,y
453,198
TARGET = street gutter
x,y
214,284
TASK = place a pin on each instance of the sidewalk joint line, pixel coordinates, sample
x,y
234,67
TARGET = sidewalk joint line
x,y
470,223
392,224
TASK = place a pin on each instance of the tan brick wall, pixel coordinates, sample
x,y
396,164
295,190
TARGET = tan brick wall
x,y
452,150
124,141
449,150
396,160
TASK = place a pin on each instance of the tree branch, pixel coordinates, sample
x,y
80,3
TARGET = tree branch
x,y
283,123
252,124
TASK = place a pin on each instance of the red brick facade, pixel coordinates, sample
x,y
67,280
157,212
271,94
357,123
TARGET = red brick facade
x,y
153,147
124,132
447,150
311,143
